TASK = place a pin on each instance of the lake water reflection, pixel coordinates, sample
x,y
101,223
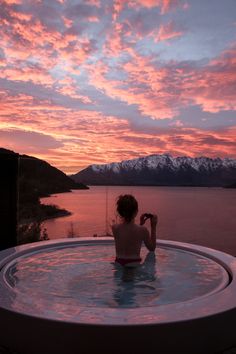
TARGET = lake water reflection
x,y
203,216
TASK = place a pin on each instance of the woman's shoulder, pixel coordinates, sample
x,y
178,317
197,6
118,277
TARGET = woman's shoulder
x,y
115,227
142,229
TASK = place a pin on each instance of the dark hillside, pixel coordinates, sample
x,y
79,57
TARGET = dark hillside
x,y
36,179
43,179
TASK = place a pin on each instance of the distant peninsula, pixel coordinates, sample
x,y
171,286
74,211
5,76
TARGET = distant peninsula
x,y
162,170
37,179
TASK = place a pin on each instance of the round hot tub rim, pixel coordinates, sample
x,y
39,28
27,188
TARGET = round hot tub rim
x,y
215,304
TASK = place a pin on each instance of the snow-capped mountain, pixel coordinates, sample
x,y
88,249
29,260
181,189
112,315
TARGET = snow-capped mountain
x,y
162,170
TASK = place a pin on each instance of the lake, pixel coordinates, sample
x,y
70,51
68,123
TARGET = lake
x,y
205,216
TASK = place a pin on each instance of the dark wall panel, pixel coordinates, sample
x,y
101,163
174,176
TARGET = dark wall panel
x,y
8,199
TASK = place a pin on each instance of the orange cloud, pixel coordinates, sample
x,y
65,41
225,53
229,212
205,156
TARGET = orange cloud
x,y
2,62
12,2
73,139
21,16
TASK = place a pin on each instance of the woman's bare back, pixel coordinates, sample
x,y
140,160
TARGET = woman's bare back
x,y
128,239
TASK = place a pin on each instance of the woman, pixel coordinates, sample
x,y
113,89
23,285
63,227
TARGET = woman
x,y
128,235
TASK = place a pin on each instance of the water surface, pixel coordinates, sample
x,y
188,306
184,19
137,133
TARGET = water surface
x,y
58,282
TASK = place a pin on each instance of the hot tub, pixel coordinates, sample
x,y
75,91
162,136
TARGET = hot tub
x,y
69,296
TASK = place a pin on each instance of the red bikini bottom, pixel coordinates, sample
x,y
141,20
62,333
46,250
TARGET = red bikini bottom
x,y
125,261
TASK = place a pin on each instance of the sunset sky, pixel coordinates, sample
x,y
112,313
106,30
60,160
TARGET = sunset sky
x,y
96,81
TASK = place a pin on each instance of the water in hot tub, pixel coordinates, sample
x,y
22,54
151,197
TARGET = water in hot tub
x,y
62,280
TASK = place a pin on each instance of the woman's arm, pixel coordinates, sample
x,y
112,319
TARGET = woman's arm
x,y
150,240
153,221
114,229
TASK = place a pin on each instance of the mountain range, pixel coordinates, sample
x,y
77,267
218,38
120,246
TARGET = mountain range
x,y
162,170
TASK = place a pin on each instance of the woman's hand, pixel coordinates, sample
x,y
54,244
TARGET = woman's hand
x,y
143,219
152,217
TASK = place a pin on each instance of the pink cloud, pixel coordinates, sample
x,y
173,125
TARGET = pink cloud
x,y
145,86
53,58
213,87
27,141
166,32
160,92
33,74
73,139
67,22
186,6
22,41
183,141
117,8
3,62
96,3
26,39
165,5
115,44
76,53
68,87
93,19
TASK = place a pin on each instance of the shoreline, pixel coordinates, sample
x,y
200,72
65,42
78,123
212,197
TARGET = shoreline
x,y
59,214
